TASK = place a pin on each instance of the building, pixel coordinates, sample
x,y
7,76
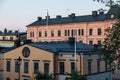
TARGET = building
x,y
11,39
88,28
55,58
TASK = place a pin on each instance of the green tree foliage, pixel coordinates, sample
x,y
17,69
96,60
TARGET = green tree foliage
x,y
43,76
108,3
111,46
75,76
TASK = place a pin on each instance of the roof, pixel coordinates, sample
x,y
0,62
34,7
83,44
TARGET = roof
x,y
63,46
69,19
87,18
13,33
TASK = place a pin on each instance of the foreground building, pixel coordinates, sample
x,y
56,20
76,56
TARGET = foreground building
x,y
57,58
88,28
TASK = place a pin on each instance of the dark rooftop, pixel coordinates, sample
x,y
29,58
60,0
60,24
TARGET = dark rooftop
x,y
62,46
72,18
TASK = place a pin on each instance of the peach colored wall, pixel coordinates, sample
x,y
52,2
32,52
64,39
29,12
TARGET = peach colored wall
x,y
69,26
1,62
36,54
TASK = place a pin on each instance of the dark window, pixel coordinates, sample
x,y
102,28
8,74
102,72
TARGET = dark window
x,y
7,78
59,33
99,31
36,67
89,67
91,42
81,41
68,32
78,32
65,32
26,67
17,66
52,33
72,32
82,32
40,34
32,34
46,68
72,66
45,33
8,66
11,38
99,42
3,38
98,65
61,67
90,32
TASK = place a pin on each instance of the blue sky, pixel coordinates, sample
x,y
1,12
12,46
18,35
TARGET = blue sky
x,y
16,14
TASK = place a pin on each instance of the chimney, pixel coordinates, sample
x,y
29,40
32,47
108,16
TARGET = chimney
x,y
73,15
101,12
94,13
39,18
58,16
48,17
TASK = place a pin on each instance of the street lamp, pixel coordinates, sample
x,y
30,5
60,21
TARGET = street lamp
x,y
19,63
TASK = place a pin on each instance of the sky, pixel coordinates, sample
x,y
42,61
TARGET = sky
x,y
16,14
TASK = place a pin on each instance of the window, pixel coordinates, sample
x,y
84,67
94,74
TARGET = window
x,y
61,67
89,67
72,66
82,32
91,42
99,42
32,34
65,32
17,66
46,68
8,66
52,33
36,67
98,65
59,33
3,38
72,32
68,32
11,38
40,34
78,32
7,78
45,33
26,67
99,31
90,32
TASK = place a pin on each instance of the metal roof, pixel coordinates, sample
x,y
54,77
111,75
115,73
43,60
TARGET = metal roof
x,y
63,46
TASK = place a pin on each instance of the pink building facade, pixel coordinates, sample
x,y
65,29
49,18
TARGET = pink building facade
x,y
88,29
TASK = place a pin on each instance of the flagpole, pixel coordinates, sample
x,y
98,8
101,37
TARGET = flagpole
x,y
75,46
46,31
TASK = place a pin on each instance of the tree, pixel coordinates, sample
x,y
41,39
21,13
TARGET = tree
x,y
43,76
108,3
110,51
75,76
